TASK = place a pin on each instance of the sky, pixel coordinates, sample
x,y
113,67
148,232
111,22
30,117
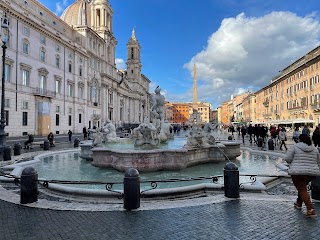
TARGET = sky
x,y
237,45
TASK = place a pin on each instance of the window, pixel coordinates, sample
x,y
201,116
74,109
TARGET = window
x,y
70,110
57,62
42,55
70,67
7,70
25,77
80,118
80,92
26,31
43,82
25,47
80,71
58,86
57,119
43,40
69,90
25,105
7,103
24,118
57,108
70,118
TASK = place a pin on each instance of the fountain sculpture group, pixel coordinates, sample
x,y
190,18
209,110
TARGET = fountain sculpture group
x,y
200,146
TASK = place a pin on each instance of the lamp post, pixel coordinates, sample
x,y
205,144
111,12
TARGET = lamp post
x,y
4,26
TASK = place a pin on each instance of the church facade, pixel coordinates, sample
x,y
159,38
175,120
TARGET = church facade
x,y
60,73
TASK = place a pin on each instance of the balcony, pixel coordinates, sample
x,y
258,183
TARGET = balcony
x,y
298,108
266,103
43,93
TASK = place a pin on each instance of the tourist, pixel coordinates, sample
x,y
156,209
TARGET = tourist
x,y
316,137
283,138
250,132
304,165
29,141
50,138
85,133
306,130
243,132
70,135
296,134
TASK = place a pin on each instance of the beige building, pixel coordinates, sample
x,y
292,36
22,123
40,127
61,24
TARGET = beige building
x,y
61,74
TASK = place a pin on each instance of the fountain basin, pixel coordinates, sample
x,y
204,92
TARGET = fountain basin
x,y
163,159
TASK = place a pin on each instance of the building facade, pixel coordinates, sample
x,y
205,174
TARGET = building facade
x,y
291,97
60,73
181,112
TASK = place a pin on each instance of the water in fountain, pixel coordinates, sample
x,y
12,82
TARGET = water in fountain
x,y
69,166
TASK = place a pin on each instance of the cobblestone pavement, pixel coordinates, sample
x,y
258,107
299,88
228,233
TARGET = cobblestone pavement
x,y
266,215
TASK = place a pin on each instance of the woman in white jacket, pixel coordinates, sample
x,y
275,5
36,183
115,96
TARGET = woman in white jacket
x,y
304,165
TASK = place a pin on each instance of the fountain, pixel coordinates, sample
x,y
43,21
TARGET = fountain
x,y
200,146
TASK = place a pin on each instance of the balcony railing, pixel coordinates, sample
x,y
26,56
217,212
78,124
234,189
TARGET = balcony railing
x,y
298,108
44,92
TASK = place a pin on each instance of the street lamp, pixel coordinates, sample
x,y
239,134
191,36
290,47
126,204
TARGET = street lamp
x,y
4,27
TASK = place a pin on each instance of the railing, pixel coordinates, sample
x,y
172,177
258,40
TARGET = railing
x,y
44,92
298,108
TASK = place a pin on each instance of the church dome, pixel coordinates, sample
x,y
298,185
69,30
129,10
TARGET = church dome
x,y
78,13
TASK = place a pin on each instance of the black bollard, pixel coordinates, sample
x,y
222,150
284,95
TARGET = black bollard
x,y
131,189
46,145
29,186
271,144
16,149
231,180
76,142
260,142
315,188
6,153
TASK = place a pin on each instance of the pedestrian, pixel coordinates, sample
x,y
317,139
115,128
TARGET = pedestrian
x,y
304,165
283,138
51,138
70,135
85,133
316,137
306,130
250,132
243,132
295,135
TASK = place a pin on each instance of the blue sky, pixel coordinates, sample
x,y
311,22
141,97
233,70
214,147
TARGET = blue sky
x,y
238,45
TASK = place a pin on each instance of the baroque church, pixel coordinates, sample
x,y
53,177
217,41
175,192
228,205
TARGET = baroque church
x,y
60,73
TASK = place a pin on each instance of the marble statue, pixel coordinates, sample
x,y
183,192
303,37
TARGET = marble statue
x,y
110,131
97,138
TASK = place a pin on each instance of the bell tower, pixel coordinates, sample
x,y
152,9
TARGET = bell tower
x,y
133,62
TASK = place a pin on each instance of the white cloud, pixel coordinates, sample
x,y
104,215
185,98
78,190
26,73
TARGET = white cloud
x,y
60,7
120,64
246,53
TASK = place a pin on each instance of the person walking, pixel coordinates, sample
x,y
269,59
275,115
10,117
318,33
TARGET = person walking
x,y
85,133
283,138
305,130
70,135
316,137
243,132
295,135
304,165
